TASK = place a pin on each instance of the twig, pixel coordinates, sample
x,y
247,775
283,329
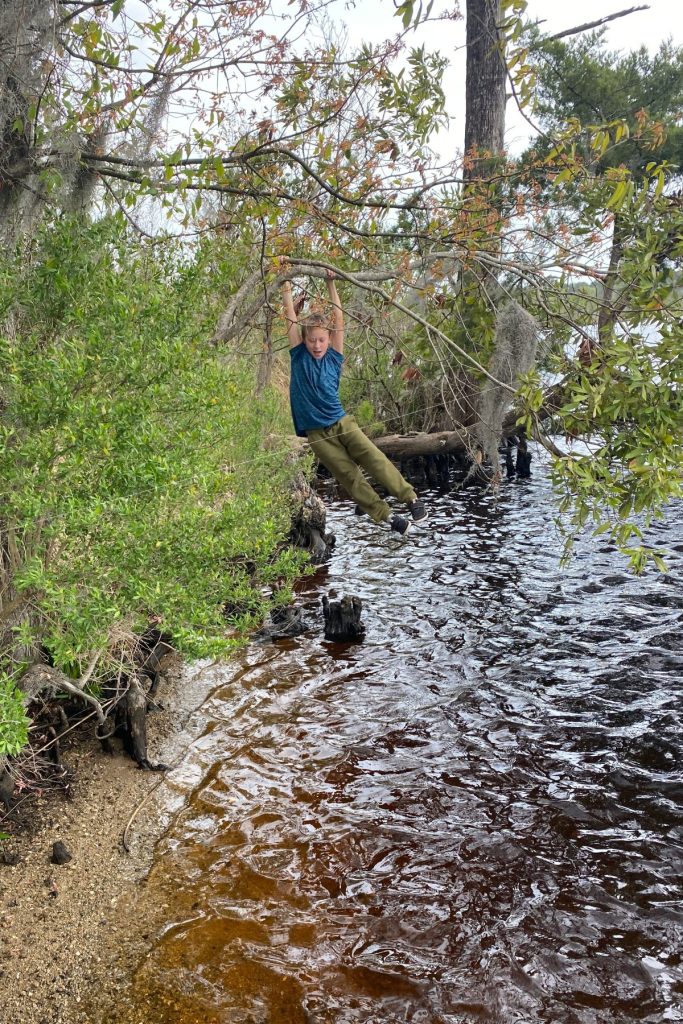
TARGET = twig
x,y
77,692
90,668
150,792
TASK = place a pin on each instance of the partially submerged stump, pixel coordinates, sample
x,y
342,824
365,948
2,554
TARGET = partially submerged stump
x,y
521,466
308,524
343,619
283,624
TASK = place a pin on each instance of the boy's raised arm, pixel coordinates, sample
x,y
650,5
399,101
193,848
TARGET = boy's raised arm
x,y
337,331
290,315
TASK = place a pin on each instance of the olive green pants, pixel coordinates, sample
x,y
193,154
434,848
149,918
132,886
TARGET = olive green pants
x,y
345,450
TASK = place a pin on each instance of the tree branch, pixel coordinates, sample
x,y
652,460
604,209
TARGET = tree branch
x,y
45,677
596,24
228,326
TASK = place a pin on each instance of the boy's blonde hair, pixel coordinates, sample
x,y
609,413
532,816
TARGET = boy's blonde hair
x,y
314,320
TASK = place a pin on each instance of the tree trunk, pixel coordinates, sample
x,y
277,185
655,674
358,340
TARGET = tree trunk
x,y
486,77
26,29
406,446
265,367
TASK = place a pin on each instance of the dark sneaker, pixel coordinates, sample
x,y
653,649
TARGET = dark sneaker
x,y
399,525
417,510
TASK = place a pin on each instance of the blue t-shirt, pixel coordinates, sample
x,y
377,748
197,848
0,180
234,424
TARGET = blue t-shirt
x,y
314,389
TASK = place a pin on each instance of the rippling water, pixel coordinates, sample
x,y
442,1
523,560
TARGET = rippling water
x,y
476,815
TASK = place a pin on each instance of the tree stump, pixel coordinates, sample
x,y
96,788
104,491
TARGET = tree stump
x,y
523,463
308,524
129,721
342,619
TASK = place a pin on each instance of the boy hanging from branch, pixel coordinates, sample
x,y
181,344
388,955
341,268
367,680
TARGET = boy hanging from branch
x,y
316,347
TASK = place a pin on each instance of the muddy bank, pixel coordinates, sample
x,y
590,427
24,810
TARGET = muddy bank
x,y
69,931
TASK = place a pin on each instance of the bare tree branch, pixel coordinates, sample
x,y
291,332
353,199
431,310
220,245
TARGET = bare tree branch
x,y
45,677
596,24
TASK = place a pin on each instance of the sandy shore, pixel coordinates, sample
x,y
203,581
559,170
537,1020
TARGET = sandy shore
x,y
69,934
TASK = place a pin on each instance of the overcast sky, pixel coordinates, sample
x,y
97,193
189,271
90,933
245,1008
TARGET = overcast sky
x,y
369,20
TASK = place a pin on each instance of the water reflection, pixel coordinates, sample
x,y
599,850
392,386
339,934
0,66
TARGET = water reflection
x,y
474,816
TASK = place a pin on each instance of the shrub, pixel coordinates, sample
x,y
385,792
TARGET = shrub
x,y
134,485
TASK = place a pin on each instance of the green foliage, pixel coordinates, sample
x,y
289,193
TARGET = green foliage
x,y
134,476
627,409
414,96
13,721
625,403
367,419
636,94
409,15
607,170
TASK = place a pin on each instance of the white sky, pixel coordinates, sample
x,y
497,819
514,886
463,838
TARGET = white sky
x,y
371,20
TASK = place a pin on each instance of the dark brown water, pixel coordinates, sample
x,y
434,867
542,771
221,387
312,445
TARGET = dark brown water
x,y
477,815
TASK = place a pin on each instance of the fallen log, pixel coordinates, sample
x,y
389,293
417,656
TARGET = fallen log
x,y
406,446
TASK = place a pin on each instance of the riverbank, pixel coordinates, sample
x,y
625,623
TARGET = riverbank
x,y
69,933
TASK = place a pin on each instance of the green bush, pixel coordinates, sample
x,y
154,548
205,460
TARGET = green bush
x,y
134,482
13,721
